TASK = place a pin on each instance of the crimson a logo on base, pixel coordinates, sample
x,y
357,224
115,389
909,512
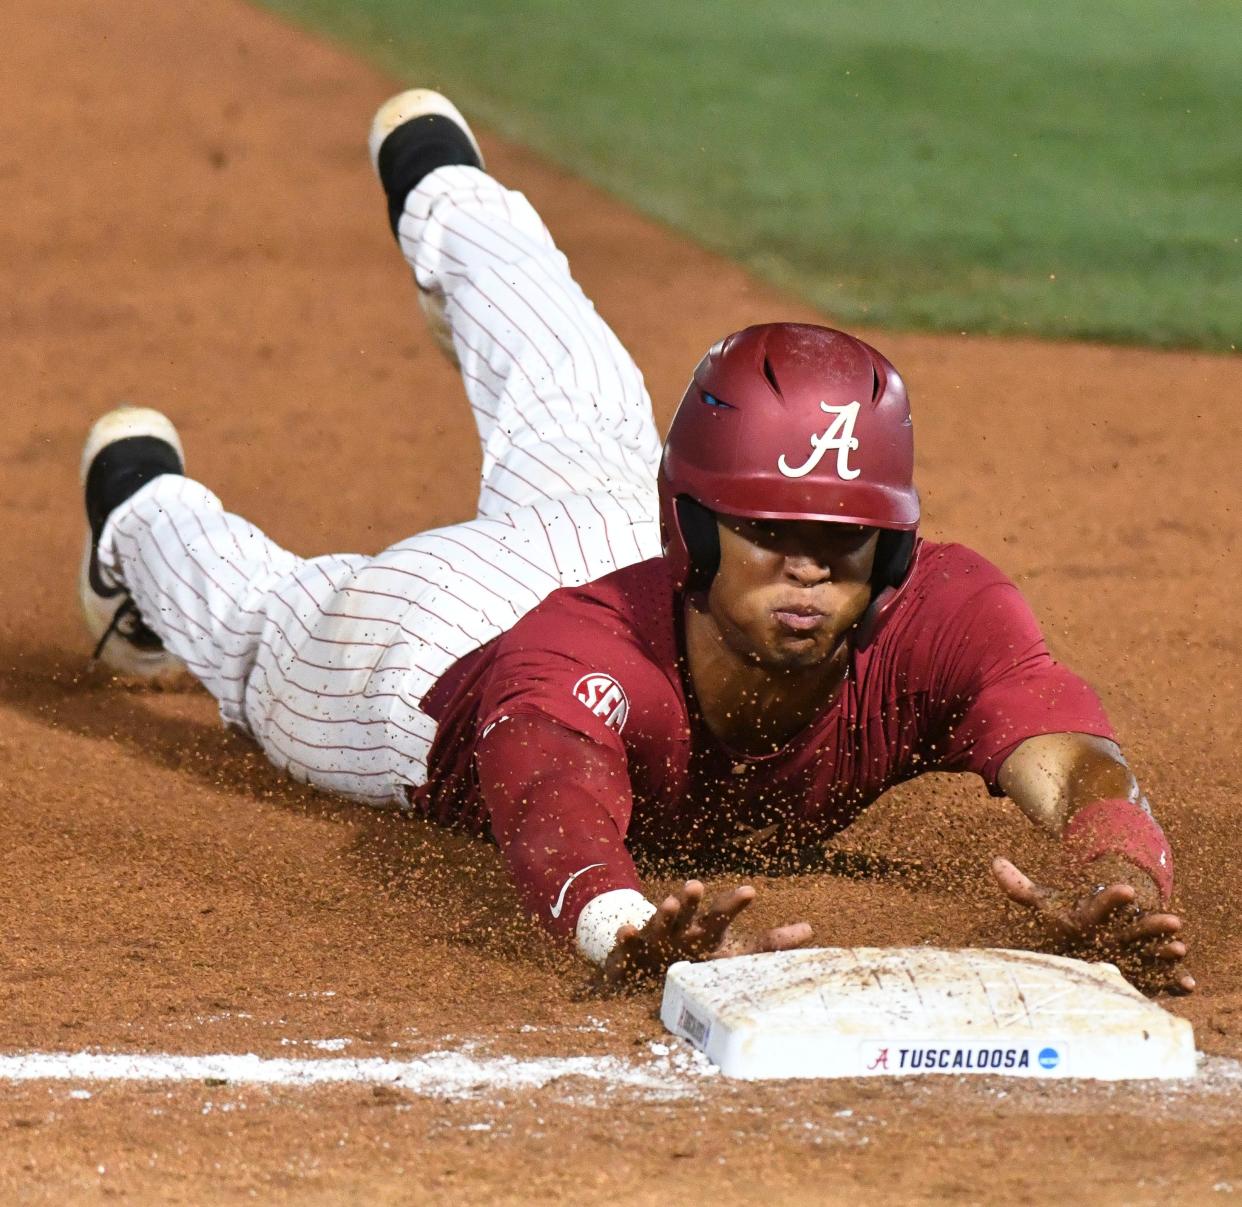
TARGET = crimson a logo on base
x,y
605,697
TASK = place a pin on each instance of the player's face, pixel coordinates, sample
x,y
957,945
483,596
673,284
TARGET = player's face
x,y
788,591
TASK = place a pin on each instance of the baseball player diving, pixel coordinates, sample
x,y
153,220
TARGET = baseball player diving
x,y
738,641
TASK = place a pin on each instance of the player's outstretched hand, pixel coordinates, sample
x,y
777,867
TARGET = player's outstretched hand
x,y
1106,922
683,928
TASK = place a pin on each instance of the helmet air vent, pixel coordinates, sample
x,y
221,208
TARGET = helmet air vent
x,y
770,374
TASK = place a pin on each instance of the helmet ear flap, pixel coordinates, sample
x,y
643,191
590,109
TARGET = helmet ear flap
x,y
702,540
893,552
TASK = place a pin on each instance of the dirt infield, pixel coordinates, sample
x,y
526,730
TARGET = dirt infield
x,y
189,221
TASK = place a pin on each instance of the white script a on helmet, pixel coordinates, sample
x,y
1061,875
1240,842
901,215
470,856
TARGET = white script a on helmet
x,y
840,435
605,697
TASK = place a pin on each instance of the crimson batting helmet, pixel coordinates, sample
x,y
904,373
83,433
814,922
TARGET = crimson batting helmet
x,y
789,421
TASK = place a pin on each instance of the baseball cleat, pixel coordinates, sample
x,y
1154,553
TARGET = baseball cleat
x,y
124,450
412,134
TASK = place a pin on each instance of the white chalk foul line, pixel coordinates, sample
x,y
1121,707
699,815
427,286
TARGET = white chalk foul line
x,y
437,1074
675,1074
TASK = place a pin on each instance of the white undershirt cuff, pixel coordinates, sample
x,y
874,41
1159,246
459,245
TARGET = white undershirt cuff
x,y
596,932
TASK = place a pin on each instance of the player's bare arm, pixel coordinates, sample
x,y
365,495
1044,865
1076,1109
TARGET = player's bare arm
x,y
1116,907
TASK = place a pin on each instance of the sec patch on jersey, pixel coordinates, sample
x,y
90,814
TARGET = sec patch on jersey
x,y
605,697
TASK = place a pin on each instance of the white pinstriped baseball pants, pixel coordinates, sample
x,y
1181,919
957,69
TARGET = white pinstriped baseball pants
x,y
325,660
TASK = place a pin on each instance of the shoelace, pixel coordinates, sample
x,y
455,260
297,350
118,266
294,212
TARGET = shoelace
x,y
138,631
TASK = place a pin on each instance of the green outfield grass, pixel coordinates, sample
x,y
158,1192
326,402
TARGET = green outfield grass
x,y
1056,169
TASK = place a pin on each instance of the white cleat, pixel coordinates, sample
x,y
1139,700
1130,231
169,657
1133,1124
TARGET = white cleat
x,y
413,134
124,450
411,104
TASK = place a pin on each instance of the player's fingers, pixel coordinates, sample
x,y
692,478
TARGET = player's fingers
x,y
669,908
731,903
1016,885
1151,926
1173,950
659,927
779,938
1168,980
1022,890
625,934
626,962
688,901
783,938
719,915
1102,905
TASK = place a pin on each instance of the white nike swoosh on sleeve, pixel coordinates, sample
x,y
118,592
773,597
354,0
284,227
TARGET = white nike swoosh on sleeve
x,y
560,901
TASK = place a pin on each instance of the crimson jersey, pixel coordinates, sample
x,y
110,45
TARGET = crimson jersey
x,y
955,679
